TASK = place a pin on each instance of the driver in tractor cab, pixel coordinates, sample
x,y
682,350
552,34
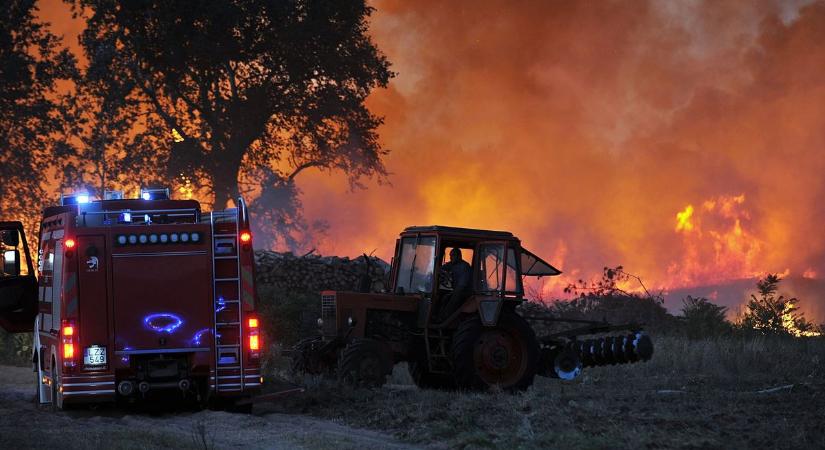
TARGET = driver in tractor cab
x,y
460,274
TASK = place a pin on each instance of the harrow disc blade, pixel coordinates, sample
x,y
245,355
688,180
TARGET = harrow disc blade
x,y
567,365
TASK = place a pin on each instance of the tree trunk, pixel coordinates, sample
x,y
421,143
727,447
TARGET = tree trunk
x,y
224,175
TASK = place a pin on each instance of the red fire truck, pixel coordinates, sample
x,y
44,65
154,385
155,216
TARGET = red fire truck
x,y
136,298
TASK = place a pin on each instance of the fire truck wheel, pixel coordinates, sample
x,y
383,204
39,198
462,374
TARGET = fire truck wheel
x,y
425,379
506,355
364,362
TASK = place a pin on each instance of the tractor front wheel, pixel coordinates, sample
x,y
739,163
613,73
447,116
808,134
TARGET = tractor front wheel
x,y
365,362
506,355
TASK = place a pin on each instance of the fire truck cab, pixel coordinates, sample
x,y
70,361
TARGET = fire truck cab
x,y
136,298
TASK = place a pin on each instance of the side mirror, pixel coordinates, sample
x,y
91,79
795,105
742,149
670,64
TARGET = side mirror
x,y
10,238
11,263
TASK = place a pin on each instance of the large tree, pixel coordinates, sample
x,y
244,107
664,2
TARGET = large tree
x,y
255,91
32,63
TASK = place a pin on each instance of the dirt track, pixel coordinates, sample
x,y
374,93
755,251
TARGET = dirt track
x,y
25,426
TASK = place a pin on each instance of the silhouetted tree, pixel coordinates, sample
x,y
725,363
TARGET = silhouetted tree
x,y
702,318
770,313
31,64
256,91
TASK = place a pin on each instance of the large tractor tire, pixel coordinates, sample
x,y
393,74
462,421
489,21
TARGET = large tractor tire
x,y
365,363
425,379
506,355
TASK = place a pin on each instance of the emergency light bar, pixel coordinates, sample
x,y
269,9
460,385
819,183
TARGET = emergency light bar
x,y
75,198
113,195
154,193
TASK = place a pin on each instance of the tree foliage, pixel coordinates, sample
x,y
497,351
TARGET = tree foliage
x,y
702,318
32,63
769,312
256,92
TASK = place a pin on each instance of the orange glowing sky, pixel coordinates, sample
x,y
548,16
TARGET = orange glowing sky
x,y
586,127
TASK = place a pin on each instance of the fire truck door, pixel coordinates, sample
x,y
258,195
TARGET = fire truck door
x,y
18,285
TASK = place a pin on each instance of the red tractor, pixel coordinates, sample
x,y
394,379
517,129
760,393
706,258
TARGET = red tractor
x,y
133,297
456,324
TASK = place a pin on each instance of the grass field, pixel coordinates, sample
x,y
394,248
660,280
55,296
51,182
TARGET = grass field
x,y
721,393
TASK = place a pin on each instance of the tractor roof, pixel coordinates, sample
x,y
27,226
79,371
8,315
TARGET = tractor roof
x,y
469,232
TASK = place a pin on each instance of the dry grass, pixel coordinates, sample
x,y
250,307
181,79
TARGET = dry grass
x,y
693,394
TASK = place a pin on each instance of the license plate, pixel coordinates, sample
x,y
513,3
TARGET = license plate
x,y
94,356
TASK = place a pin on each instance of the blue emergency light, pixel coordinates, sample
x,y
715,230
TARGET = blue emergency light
x,y
154,193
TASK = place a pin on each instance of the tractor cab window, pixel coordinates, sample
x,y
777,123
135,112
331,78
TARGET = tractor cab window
x,y
12,253
496,275
416,265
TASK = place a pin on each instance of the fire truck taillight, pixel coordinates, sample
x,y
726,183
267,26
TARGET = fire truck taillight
x,y
246,236
254,343
70,243
68,340
254,337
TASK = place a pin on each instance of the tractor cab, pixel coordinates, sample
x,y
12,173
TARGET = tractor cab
x,y
18,285
425,266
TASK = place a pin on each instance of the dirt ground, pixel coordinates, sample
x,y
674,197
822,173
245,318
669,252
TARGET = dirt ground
x,y
716,394
25,426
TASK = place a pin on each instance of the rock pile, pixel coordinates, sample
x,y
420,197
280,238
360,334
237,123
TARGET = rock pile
x,y
313,273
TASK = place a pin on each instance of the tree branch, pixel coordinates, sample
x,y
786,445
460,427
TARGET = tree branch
x,y
232,85
149,90
301,168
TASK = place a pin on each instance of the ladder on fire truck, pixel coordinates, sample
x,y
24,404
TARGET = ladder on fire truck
x,y
226,286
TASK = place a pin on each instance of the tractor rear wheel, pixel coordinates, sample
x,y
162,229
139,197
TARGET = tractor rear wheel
x,y
425,379
365,362
506,355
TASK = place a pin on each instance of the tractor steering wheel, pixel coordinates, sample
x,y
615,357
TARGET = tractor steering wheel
x,y
445,279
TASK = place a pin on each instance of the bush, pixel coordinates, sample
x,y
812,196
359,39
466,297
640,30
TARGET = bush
x,y
703,319
15,349
606,300
770,313
288,316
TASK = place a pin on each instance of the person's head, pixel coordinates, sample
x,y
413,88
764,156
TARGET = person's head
x,y
455,255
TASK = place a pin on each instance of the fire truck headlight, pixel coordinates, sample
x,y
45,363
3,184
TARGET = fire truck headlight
x,y
195,237
320,322
153,238
132,239
121,239
173,237
184,237
143,239
164,238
